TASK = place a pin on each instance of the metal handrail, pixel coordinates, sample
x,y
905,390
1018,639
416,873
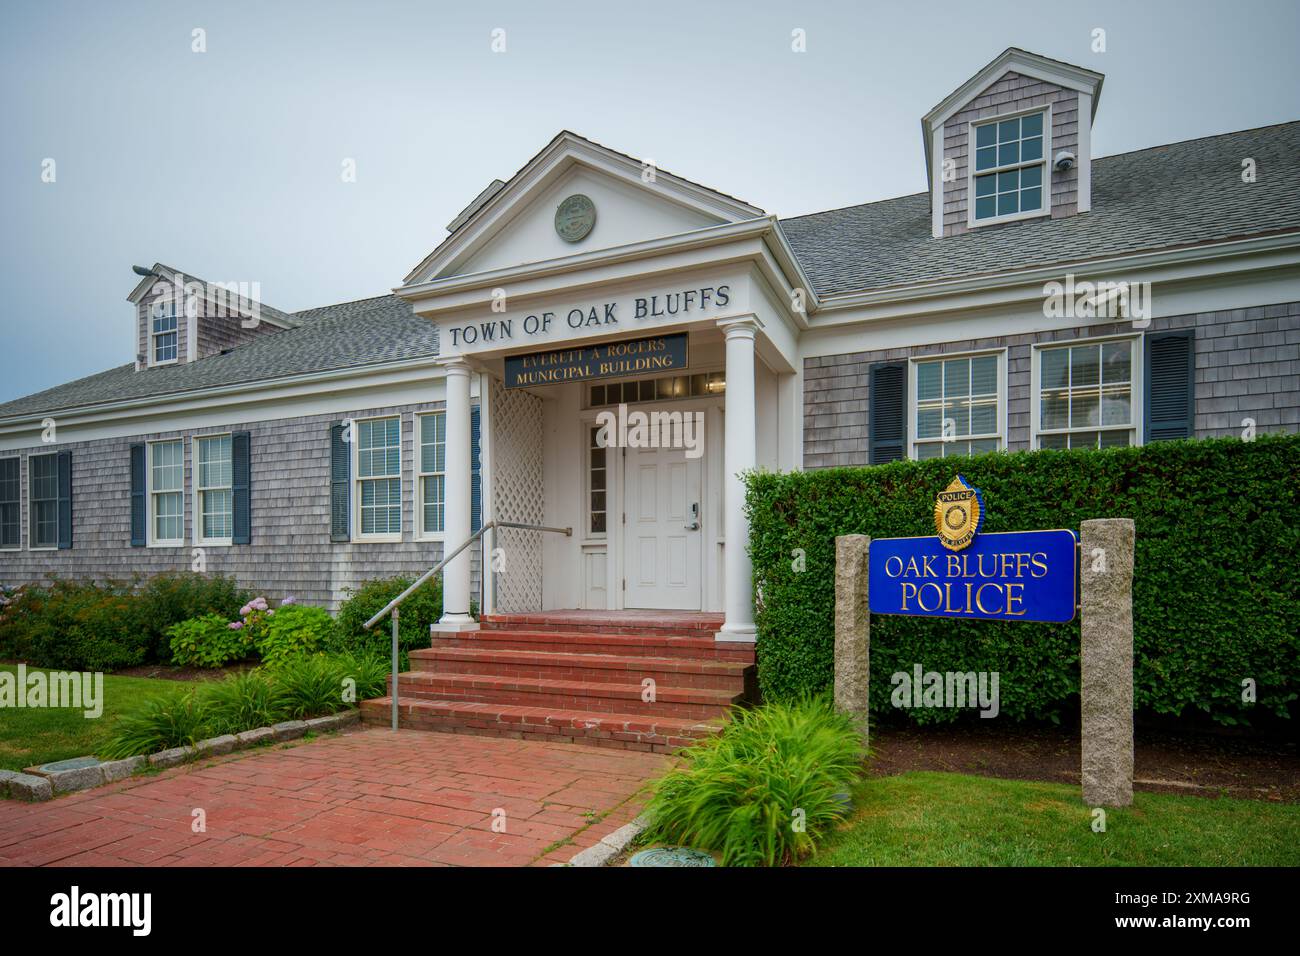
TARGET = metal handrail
x,y
392,606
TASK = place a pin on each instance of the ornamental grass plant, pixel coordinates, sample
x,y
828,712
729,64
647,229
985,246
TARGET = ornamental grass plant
x,y
765,790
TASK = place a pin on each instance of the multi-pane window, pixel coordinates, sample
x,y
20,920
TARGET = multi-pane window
x,y
43,502
433,467
1085,395
379,476
213,491
597,473
167,491
163,332
1009,167
658,389
957,406
10,505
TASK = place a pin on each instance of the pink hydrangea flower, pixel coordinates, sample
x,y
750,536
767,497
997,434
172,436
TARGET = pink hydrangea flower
x,y
236,625
245,611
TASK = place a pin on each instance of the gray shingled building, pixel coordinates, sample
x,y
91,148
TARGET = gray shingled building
x,y
1033,297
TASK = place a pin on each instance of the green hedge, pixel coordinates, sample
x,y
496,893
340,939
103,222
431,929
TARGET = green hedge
x,y
421,609
1215,577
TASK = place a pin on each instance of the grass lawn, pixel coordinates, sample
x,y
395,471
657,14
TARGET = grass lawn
x,y
947,819
30,737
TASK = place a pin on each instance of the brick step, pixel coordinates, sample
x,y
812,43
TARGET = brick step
x,y
625,731
600,668
662,623
569,695
598,642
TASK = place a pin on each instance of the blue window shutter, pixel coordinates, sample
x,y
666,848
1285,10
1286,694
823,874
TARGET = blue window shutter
x,y
65,499
240,468
475,476
1170,402
886,412
340,484
137,497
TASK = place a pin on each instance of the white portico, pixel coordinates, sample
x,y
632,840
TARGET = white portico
x,y
585,299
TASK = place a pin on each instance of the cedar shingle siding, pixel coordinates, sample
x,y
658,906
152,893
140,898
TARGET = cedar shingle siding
x,y
290,551
1247,366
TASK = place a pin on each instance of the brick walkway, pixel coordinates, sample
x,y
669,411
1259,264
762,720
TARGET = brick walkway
x,y
367,798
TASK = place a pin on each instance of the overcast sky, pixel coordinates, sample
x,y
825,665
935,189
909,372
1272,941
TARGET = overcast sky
x,y
227,163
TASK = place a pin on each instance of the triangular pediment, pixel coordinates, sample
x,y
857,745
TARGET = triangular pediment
x,y
626,202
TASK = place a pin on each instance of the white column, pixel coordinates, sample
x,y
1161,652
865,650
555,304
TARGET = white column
x,y
739,455
456,575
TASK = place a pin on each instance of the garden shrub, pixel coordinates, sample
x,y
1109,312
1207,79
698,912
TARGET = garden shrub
x,y
208,641
738,792
175,596
420,610
20,608
1214,584
291,631
107,625
90,626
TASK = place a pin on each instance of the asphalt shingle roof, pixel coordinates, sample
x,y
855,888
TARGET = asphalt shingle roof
x,y
348,335
1182,194
1165,197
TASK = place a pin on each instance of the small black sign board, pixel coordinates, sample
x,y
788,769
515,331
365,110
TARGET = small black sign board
x,y
662,354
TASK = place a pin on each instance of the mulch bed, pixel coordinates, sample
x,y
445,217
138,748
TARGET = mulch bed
x,y
1164,761
172,672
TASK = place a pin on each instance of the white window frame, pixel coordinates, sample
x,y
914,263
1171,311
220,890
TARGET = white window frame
x,y
153,345
196,506
357,480
151,538
1046,210
19,545
912,441
421,532
31,539
1136,382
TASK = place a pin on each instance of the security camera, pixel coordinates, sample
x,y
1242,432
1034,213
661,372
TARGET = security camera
x,y
1064,160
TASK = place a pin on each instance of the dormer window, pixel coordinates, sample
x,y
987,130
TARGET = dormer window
x,y
1009,169
163,333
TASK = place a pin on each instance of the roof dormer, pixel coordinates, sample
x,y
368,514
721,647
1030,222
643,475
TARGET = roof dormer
x,y
181,318
1011,143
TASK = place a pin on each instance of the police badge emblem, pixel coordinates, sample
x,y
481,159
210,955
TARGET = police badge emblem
x,y
958,514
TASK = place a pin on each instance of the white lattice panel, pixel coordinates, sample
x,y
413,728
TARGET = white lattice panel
x,y
517,465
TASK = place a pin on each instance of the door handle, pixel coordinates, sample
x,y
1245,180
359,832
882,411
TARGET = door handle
x,y
695,517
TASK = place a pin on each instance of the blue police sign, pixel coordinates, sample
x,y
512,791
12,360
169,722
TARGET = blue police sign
x,y
1009,576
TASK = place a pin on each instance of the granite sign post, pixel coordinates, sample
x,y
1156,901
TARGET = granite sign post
x,y
1106,661
852,629
1010,576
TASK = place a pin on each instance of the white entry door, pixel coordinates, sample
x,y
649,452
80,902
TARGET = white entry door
x,y
662,533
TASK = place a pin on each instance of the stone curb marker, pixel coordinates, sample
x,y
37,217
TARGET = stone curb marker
x,y
609,846
47,781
